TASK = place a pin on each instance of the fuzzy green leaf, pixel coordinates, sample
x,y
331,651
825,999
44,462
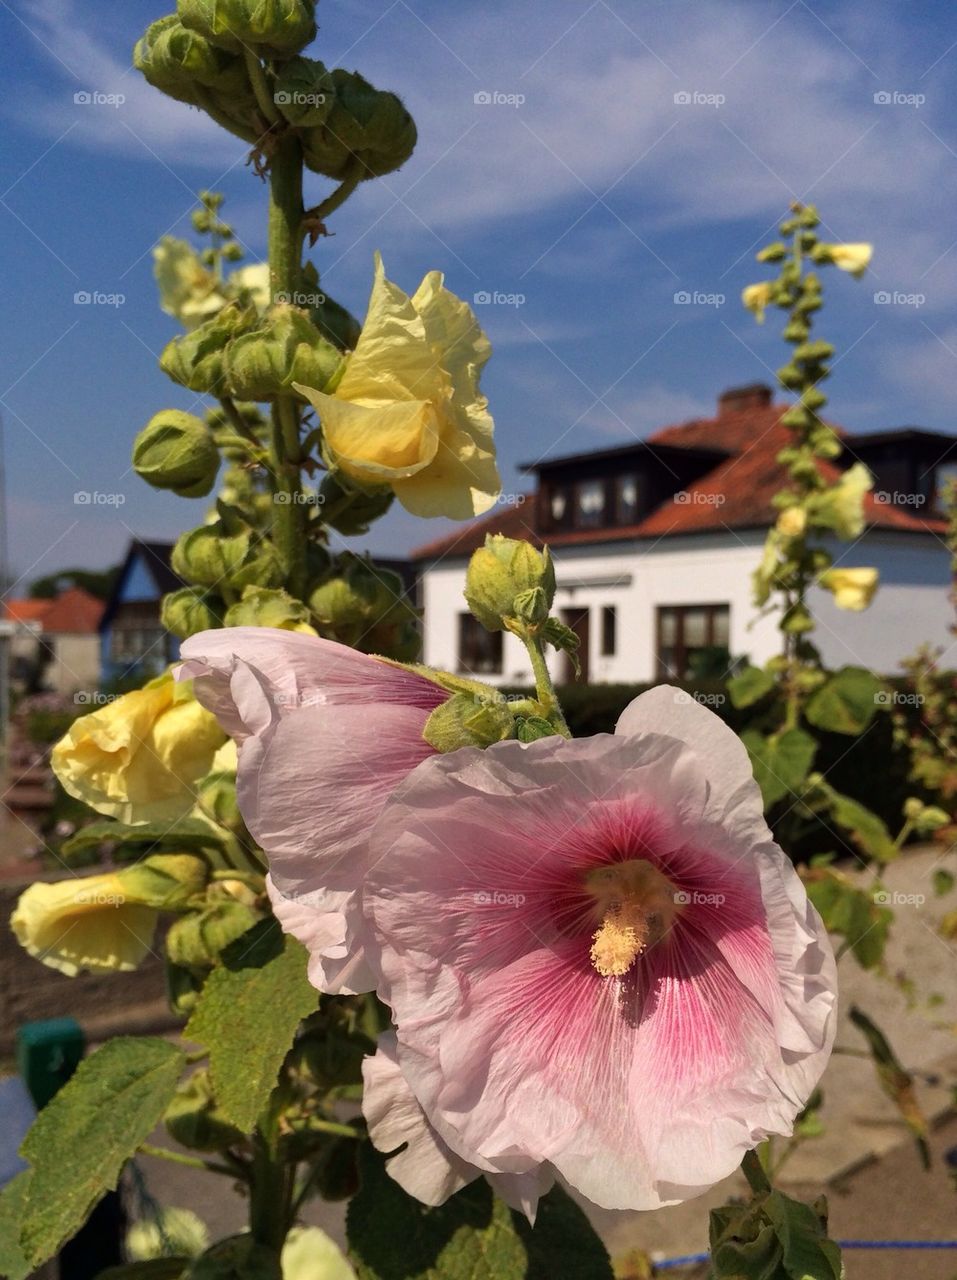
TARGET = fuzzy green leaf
x,y
847,702
750,686
13,1265
247,1015
82,1138
780,763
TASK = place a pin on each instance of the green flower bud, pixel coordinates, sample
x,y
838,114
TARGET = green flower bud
x,y
187,612
773,253
351,511
797,620
365,607
789,375
195,360
814,351
196,940
177,61
216,796
208,558
467,721
165,881
194,1120
500,572
175,451
282,26
366,126
262,607
304,92
285,349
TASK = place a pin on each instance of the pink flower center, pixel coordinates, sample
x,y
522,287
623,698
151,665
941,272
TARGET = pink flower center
x,y
634,906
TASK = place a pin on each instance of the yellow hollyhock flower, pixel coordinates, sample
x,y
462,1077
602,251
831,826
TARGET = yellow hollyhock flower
x,y
842,507
138,758
854,258
408,412
852,588
756,297
104,923
792,522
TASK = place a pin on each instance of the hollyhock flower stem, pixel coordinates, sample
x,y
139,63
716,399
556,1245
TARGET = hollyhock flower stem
x,y
756,1174
285,248
544,688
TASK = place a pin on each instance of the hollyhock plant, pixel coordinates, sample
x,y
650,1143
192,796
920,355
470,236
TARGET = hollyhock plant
x,y
599,962
325,734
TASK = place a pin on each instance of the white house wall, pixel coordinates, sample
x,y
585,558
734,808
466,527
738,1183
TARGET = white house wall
x,y
638,577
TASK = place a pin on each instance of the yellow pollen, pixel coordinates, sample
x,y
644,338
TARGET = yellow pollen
x,y
635,905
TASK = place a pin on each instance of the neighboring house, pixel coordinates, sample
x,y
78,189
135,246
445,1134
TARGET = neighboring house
x,y
133,641
655,543
54,644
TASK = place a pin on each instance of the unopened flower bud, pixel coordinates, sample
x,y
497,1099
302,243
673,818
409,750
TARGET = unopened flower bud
x,y
365,607
757,297
196,359
285,349
366,126
852,588
186,612
262,607
282,26
176,60
854,258
351,511
792,522
305,92
466,720
500,572
208,557
176,451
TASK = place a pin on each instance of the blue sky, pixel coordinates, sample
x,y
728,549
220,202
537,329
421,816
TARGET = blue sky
x,y
584,193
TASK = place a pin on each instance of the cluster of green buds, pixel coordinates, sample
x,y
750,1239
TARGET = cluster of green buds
x,y
366,607
815,499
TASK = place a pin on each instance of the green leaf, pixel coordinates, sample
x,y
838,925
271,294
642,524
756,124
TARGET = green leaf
x,y
13,1265
247,1015
867,830
780,763
151,1269
750,686
850,912
473,1236
847,702
808,1254
188,833
895,1080
943,882
773,1238
82,1138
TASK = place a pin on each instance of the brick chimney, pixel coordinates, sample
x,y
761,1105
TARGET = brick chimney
x,y
739,399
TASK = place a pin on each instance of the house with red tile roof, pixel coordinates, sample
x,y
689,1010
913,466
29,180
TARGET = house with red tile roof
x,y
55,642
655,543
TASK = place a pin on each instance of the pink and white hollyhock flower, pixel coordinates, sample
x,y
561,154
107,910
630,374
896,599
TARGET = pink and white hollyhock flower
x,y
324,736
599,962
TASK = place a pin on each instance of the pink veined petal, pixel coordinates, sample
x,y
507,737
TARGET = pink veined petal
x,y
641,1090
427,1167
250,676
330,925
